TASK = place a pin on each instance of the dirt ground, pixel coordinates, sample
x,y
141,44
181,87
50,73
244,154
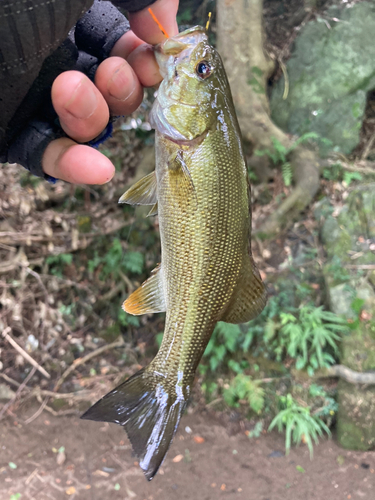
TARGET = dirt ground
x,y
99,464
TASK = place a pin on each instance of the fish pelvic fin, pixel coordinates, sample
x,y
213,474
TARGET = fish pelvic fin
x,y
144,192
148,413
153,211
249,297
149,297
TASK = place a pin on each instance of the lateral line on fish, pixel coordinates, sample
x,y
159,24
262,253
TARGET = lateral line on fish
x,y
158,23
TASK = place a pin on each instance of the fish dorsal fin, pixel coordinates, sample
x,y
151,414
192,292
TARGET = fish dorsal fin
x,y
249,297
144,192
149,297
153,211
180,180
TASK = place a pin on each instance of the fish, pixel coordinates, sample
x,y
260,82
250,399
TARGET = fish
x,y
201,193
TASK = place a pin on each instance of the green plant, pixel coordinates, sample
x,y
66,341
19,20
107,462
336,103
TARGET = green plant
x,y
257,431
328,405
279,153
299,424
310,336
227,339
117,260
57,263
243,388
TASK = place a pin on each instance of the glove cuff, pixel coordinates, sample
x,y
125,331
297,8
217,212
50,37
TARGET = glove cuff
x,y
29,147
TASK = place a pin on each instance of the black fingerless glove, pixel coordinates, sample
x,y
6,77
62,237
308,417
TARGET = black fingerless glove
x,y
28,122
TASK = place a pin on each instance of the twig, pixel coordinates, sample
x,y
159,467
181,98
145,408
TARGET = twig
x,y
37,413
368,147
80,396
366,170
80,361
38,278
360,266
23,353
127,282
18,392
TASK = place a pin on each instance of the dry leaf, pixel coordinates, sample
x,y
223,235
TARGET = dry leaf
x,y
70,491
61,457
199,439
177,458
100,473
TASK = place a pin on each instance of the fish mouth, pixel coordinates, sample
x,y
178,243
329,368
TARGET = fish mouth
x,y
179,46
174,45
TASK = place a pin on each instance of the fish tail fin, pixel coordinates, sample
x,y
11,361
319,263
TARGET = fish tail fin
x,y
148,413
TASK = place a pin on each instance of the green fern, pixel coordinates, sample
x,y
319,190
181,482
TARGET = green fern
x,y
299,424
243,387
287,172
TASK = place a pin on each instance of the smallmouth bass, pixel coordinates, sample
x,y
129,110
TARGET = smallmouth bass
x,y
201,194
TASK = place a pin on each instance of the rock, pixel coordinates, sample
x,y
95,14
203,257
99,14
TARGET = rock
x,y
355,418
330,72
348,240
6,392
352,232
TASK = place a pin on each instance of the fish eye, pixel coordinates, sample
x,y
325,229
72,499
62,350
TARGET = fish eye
x,y
203,69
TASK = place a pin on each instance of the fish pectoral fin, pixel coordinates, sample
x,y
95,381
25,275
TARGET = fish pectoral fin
x,y
149,414
153,211
149,297
249,297
144,192
180,180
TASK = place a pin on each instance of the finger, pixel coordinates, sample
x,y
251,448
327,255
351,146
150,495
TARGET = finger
x,y
119,86
82,109
126,44
76,163
146,28
144,64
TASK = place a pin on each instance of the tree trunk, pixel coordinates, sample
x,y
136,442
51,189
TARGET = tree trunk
x,y
240,40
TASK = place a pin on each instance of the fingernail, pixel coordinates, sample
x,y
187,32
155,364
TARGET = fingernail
x,y
83,101
122,84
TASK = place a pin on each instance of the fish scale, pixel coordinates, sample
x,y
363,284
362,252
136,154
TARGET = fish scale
x,y
207,274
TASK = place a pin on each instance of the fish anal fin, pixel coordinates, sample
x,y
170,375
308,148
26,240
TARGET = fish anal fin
x,y
249,297
144,192
180,180
149,297
148,413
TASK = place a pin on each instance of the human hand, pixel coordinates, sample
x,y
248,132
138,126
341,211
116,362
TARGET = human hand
x,y
84,107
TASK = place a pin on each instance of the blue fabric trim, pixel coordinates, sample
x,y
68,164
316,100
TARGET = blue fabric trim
x,y
50,179
107,132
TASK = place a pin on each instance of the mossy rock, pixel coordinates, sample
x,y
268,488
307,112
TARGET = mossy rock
x,y
353,230
356,416
329,72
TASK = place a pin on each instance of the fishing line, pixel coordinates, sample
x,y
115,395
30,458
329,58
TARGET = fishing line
x,y
158,23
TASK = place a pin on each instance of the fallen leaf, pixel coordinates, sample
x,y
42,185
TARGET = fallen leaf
x,y
100,473
70,491
199,439
177,458
61,457
223,487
